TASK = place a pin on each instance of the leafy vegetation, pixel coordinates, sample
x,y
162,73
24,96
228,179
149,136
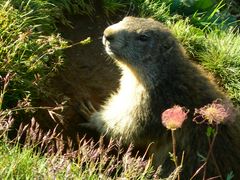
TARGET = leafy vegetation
x,y
27,52
31,52
110,7
204,14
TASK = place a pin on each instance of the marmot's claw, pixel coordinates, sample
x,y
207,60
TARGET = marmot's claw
x,y
86,109
91,107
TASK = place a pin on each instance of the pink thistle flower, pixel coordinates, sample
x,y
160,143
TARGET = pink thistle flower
x,y
174,117
217,113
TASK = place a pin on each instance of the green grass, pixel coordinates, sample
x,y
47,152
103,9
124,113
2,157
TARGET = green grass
x,y
110,7
221,56
20,163
155,9
89,161
192,38
29,51
84,7
217,51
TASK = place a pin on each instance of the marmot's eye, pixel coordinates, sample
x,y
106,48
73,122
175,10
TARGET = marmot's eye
x,y
142,37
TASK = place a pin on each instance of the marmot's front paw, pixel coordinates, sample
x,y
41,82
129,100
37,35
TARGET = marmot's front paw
x,y
87,110
89,125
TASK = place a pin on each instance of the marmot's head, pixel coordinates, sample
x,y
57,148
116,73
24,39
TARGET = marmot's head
x,y
139,42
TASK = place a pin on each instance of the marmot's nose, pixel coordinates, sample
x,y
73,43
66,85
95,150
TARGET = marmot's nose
x,y
109,37
109,34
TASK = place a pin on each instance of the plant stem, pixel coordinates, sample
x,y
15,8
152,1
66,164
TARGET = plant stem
x,y
174,151
5,80
216,165
198,170
210,152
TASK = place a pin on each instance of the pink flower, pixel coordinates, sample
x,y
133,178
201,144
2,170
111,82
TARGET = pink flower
x,y
217,112
174,117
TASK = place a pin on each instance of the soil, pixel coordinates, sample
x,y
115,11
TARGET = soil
x,y
88,75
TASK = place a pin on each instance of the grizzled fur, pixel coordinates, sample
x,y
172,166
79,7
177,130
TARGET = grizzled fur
x,y
155,76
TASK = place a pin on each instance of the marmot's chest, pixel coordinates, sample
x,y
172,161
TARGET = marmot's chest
x,y
125,109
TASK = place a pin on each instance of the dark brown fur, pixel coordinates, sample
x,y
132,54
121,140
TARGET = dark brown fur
x,y
155,76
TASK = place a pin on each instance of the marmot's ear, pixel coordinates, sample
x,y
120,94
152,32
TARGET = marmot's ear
x,y
151,19
169,43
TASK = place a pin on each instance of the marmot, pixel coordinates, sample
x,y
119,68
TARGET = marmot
x,y
156,75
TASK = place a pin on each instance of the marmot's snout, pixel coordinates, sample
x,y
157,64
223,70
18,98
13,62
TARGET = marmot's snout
x,y
108,38
108,35
113,40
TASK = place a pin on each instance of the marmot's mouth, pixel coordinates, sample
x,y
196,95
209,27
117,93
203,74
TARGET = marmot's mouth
x,y
109,51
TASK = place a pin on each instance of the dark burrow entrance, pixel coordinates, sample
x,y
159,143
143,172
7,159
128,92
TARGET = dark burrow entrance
x,y
87,75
